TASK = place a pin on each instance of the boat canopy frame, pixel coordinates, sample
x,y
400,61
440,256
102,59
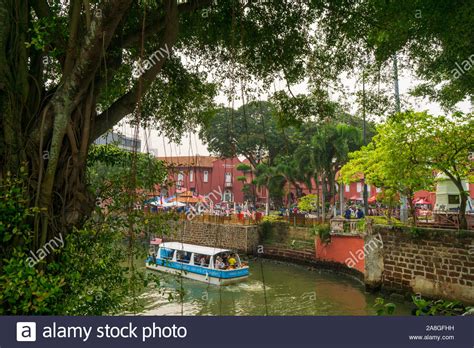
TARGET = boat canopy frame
x,y
193,250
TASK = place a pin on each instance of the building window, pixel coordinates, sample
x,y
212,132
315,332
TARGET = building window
x,y
191,175
378,190
180,177
206,176
228,178
453,199
359,187
348,188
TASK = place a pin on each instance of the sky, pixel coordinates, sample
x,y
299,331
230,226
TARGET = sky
x,y
191,145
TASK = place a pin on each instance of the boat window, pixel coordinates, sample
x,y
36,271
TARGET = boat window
x,y
201,260
166,253
183,256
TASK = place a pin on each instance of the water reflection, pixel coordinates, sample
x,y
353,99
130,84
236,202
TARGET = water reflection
x,y
289,290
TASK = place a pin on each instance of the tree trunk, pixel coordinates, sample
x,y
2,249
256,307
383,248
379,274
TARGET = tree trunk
x,y
462,211
49,131
267,203
323,197
463,195
411,204
316,181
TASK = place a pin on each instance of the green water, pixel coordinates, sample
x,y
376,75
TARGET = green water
x,y
274,288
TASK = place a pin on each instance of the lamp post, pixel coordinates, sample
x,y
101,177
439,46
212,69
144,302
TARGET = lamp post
x,y
403,198
365,194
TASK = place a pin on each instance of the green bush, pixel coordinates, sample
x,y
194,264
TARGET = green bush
x,y
383,308
89,275
272,218
323,231
438,307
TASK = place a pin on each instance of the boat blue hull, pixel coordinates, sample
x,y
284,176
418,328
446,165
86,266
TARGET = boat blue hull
x,y
214,273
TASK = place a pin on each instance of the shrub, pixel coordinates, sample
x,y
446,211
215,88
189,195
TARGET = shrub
x,y
323,231
438,307
383,308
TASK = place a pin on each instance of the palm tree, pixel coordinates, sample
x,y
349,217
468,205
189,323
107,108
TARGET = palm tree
x,y
264,174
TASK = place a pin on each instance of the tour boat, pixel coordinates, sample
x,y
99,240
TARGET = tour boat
x,y
205,264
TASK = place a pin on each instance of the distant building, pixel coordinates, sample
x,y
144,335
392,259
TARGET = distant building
x,y
204,175
122,141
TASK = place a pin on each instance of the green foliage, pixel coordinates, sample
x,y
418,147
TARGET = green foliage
x,y
92,273
244,167
242,178
438,307
249,131
183,99
14,211
390,160
378,29
28,290
409,147
383,220
323,231
361,224
269,219
109,162
308,203
383,308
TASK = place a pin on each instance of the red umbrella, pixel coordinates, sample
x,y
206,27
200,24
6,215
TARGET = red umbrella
x,y
422,201
372,199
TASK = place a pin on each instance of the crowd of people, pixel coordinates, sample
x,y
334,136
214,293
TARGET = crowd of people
x,y
223,262
353,212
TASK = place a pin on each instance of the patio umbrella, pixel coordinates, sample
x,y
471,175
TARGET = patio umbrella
x,y
173,204
372,199
423,201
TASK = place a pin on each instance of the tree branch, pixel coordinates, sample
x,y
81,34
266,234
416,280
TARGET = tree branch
x,y
126,104
71,89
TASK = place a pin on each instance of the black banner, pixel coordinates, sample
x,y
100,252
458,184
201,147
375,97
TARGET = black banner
x,y
241,332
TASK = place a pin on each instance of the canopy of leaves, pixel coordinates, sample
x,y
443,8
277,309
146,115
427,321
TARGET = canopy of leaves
x,y
434,35
249,131
409,147
111,166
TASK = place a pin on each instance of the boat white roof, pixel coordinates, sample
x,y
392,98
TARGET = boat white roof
x,y
192,248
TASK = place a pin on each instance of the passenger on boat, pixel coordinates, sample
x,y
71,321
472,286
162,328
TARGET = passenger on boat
x,y
232,261
202,262
219,263
225,259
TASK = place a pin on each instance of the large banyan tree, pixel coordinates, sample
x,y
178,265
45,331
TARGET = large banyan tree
x,y
71,70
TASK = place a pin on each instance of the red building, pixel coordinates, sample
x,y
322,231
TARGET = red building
x,y
204,175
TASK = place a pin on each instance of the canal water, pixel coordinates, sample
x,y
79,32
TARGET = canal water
x,y
273,288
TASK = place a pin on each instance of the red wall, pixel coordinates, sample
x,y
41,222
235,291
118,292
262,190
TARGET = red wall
x,y
229,165
216,179
340,249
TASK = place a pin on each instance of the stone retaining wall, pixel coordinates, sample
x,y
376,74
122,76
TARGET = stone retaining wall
x,y
433,263
243,238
